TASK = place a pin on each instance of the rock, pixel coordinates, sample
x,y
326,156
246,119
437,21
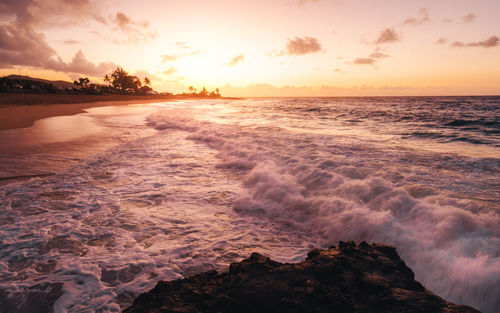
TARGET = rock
x,y
347,278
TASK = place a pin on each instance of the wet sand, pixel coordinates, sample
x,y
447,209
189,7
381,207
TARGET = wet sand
x,y
22,110
57,142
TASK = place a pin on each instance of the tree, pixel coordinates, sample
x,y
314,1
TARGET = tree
x,y
123,82
191,89
83,83
204,92
147,82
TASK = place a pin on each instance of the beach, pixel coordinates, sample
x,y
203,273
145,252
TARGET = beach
x,y
22,110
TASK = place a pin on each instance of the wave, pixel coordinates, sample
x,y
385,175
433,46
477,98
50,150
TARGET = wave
x,y
320,187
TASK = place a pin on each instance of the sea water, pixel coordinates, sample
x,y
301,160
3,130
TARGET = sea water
x,y
183,187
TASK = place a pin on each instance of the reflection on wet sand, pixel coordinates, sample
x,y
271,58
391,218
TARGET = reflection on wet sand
x,y
56,143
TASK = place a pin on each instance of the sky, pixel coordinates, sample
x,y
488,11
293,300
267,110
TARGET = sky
x,y
261,47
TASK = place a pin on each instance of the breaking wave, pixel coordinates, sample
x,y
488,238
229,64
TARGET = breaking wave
x,y
338,190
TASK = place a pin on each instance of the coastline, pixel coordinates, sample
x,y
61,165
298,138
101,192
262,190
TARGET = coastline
x,y
343,278
22,110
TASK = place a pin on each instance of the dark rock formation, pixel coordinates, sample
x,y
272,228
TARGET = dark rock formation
x,y
347,278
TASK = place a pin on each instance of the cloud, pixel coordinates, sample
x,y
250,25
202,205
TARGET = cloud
x,y
170,71
71,42
182,45
300,46
135,31
423,17
235,60
143,74
167,58
302,2
446,20
21,45
79,64
491,42
364,61
122,20
441,41
388,35
173,57
338,70
50,13
371,59
469,18
376,54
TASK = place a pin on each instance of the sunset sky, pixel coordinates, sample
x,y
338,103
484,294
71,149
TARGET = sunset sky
x,y
261,47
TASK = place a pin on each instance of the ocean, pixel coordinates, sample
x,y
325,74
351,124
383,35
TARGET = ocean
x,y
162,191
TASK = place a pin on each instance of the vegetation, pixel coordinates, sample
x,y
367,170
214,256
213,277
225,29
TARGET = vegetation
x,y
123,83
203,93
117,82
24,84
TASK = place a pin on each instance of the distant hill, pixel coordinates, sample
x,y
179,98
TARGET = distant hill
x,y
55,83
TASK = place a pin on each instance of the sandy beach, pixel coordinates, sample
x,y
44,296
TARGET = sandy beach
x,y
22,110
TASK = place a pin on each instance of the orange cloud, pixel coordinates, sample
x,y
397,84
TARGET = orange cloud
x,y
182,45
173,57
364,61
235,60
169,71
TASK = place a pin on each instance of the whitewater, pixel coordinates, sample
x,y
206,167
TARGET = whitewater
x,y
170,189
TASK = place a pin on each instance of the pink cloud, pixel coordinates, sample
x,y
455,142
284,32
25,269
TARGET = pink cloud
x,y
301,46
388,35
491,42
423,17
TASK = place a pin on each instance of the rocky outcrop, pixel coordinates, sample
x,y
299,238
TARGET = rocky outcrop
x,y
343,278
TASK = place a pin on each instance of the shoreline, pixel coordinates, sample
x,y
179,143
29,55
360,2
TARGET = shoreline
x,y
22,110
